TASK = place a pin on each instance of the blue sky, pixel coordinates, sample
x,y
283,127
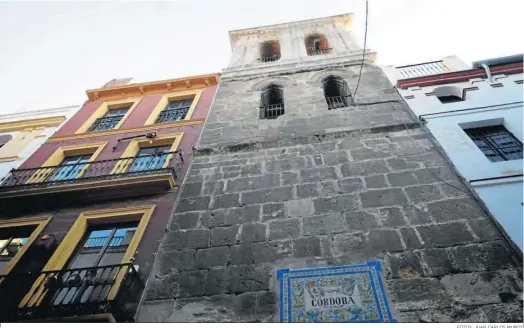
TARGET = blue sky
x,y
51,52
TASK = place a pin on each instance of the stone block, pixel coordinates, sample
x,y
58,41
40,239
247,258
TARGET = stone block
x,y
155,311
376,181
484,229
211,257
426,193
242,254
232,168
402,179
350,185
327,188
168,262
225,201
371,167
271,251
274,195
482,257
252,232
363,154
350,143
391,217
216,218
224,236
455,209
324,224
438,261
266,303
193,204
289,178
284,229
188,220
299,208
471,288
417,294
192,283
187,239
306,247
318,174
242,214
212,187
164,287
249,278
340,203
217,281
307,190
504,313
191,190
246,304
447,234
405,265
360,220
335,158
251,169
291,164
273,211
402,164
382,197
253,183
411,240
417,214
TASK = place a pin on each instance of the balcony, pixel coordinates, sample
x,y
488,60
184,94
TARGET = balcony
x,y
424,69
48,187
318,51
69,295
105,123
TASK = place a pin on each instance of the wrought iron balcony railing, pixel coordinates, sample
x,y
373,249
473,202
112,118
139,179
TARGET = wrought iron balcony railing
x,y
320,51
272,111
66,293
92,171
172,115
338,101
105,123
269,59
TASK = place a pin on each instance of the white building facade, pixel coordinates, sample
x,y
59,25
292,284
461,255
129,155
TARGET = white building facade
x,y
476,116
21,134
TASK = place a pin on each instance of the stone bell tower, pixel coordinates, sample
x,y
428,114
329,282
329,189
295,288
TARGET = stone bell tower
x,y
297,179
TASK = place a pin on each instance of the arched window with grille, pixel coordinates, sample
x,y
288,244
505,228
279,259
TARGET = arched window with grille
x,y
317,44
336,92
272,102
269,51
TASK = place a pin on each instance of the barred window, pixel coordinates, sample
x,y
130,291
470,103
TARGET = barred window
x,y
336,92
269,51
110,120
272,102
497,143
317,44
175,110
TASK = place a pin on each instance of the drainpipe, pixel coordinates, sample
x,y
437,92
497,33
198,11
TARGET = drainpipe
x,y
488,72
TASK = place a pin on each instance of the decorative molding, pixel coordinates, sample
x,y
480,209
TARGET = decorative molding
x,y
9,159
272,30
159,126
458,76
150,88
38,123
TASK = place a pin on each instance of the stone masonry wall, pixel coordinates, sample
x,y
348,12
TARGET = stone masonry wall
x,y
317,188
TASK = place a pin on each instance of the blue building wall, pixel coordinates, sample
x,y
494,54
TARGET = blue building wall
x,y
489,105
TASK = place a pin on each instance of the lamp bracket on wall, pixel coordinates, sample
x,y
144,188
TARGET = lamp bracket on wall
x,y
149,135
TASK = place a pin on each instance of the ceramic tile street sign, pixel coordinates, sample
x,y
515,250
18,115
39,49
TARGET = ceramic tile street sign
x,y
352,293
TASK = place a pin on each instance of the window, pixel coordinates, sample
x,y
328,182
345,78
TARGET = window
x,y
150,158
110,120
175,110
272,102
497,143
449,94
269,51
317,44
11,242
5,139
336,92
69,168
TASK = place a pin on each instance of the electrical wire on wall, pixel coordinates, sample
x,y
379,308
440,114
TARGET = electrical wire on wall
x,y
363,55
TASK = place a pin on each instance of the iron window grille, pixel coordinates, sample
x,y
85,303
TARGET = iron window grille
x,y
269,59
175,111
496,142
338,101
272,102
318,51
110,120
272,111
